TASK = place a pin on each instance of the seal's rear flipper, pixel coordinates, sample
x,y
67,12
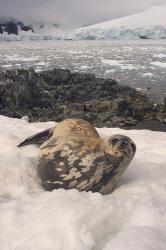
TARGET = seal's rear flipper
x,y
38,138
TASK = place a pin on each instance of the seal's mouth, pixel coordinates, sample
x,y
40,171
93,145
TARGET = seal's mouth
x,y
124,147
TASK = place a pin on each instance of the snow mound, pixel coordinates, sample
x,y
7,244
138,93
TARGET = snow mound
x,y
132,217
148,24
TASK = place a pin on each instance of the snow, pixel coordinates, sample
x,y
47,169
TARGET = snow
x,y
159,64
154,16
47,32
150,23
132,217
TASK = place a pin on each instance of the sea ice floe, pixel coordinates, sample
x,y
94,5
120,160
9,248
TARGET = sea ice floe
x,y
159,64
121,64
16,57
84,67
111,62
160,55
148,74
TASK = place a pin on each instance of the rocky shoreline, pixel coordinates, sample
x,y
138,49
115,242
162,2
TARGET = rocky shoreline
x,y
58,94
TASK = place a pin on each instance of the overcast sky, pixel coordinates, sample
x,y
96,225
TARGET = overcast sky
x,y
73,13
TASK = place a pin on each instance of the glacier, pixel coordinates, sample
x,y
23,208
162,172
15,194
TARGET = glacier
x,y
150,24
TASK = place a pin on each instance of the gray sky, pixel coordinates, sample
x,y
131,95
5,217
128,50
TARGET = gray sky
x,y
73,13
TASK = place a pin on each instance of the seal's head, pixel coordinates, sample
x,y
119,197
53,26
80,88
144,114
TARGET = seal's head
x,y
120,145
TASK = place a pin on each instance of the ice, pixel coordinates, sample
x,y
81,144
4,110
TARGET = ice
x,y
125,61
7,66
111,62
84,67
120,64
148,74
132,217
159,64
41,64
109,71
18,58
161,55
150,23
128,67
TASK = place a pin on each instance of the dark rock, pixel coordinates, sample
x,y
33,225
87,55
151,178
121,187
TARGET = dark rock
x,y
11,28
1,30
58,94
164,105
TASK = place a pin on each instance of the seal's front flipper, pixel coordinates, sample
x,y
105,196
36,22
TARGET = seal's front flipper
x,y
38,138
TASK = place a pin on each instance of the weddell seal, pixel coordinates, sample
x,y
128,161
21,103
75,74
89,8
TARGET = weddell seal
x,y
73,155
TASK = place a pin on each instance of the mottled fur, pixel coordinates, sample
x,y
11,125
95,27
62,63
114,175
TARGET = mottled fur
x,y
74,156
75,127
88,164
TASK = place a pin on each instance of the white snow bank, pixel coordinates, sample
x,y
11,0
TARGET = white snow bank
x,y
133,217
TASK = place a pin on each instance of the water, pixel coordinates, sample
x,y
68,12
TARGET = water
x,y
141,64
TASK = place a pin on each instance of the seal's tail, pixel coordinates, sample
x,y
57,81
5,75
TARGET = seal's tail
x,y
38,138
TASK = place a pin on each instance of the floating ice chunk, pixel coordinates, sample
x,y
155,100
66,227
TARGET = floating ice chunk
x,y
15,57
148,74
128,67
111,62
122,64
84,67
7,66
109,71
41,63
159,64
141,89
160,55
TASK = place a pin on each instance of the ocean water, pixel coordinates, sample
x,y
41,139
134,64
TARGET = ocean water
x,y
140,64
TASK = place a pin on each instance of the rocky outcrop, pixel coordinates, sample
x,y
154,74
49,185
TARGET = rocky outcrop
x,y
12,27
58,94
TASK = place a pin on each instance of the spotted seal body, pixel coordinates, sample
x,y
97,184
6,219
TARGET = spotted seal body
x,y
67,127
76,157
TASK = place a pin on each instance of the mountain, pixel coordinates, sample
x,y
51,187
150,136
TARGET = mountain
x,y
148,24
18,30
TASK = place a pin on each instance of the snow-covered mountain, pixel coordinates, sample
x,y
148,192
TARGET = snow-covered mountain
x,y
18,30
147,24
